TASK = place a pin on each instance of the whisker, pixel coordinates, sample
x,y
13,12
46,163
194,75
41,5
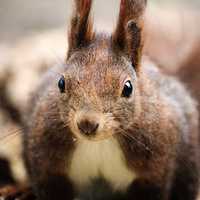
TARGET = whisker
x,y
54,72
131,137
9,136
59,60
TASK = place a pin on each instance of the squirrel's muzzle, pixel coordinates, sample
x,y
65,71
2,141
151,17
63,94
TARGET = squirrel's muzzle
x,y
92,125
88,127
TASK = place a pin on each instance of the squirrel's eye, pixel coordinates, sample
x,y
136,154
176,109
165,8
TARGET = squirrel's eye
x,y
61,84
128,89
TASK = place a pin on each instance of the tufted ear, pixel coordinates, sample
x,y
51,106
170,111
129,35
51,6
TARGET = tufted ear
x,y
81,32
128,36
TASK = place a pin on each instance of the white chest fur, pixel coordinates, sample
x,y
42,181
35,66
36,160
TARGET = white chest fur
x,y
100,159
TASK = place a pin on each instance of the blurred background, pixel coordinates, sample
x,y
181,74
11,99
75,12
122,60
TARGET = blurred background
x,y
33,37
21,17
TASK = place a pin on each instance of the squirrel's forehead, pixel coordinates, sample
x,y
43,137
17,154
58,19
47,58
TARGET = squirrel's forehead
x,y
102,72
98,75
99,67
102,56
106,65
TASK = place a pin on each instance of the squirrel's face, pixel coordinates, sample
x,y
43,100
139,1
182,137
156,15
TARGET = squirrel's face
x,y
97,92
99,83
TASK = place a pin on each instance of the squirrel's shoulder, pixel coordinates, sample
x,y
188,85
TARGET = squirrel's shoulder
x,y
171,89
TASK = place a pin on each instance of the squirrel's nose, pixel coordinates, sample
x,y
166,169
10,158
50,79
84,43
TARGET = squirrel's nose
x,y
87,127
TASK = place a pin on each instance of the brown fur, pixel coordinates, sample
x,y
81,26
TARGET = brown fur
x,y
156,128
81,32
128,36
189,72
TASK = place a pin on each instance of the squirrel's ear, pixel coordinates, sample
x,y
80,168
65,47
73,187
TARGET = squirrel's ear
x,y
128,36
81,32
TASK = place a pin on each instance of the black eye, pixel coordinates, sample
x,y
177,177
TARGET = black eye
x,y
61,84
128,89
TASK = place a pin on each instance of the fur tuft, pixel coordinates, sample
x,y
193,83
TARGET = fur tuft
x,y
81,32
128,34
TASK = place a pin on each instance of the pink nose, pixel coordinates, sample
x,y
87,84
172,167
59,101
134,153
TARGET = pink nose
x,y
87,127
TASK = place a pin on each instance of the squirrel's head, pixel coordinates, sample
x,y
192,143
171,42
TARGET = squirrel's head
x,y
99,83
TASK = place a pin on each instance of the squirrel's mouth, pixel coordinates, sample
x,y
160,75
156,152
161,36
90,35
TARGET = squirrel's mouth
x,y
99,136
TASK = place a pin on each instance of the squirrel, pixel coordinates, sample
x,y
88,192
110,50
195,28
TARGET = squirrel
x,y
108,124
